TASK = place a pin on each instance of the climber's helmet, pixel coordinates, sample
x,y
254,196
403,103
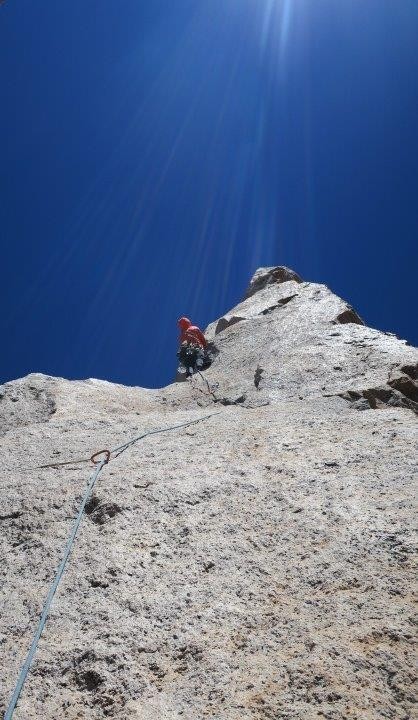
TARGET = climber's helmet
x,y
184,323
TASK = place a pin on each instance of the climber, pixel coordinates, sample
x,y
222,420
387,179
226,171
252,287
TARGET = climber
x,y
191,333
192,352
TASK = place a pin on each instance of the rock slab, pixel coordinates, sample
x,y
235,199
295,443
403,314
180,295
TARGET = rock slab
x,y
256,565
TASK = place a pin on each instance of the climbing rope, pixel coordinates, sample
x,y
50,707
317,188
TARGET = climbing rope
x,y
25,669
121,448
89,489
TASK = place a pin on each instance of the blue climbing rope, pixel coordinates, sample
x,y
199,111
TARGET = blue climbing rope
x,y
25,668
89,489
122,448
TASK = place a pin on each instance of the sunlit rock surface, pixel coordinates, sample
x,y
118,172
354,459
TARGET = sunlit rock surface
x,y
254,566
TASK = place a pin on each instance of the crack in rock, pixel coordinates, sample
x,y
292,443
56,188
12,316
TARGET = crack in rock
x,y
279,304
258,376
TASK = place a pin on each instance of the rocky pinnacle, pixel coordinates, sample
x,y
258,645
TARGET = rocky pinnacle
x,y
257,565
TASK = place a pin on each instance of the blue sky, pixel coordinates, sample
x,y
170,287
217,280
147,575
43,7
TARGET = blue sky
x,y
155,152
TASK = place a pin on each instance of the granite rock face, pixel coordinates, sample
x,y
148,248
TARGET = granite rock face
x,y
256,565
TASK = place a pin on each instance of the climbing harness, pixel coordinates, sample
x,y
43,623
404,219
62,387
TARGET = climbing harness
x,y
99,463
191,356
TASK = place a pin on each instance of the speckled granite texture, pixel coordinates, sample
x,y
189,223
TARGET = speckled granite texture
x,y
255,566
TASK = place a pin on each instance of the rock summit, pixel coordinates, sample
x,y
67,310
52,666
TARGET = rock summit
x,y
255,565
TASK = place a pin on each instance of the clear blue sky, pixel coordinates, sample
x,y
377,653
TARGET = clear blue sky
x,y
155,152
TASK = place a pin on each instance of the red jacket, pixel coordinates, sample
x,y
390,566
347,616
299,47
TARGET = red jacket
x,y
191,333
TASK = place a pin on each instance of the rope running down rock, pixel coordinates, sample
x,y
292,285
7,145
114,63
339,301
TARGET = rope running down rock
x,y
89,489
